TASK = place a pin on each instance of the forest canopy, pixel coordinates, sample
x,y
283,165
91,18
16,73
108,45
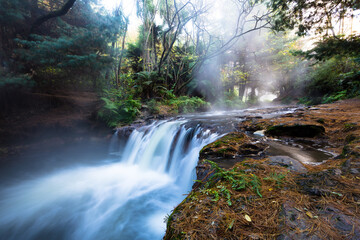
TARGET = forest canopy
x,y
185,52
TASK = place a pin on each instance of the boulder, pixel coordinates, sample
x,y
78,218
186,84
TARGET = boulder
x,y
288,162
297,130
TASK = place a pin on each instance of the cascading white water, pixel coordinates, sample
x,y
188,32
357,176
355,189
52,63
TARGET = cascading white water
x,y
125,199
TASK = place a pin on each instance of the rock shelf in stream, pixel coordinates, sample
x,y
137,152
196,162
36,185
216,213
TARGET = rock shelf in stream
x,y
244,190
297,130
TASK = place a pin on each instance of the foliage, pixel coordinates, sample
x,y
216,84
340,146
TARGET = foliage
x,y
332,80
185,104
277,178
230,101
133,53
121,107
71,50
118,109
238,180
335,73
335,97
222,191
14,80
13,11
306,15
153,106
76,52
335,46
148,84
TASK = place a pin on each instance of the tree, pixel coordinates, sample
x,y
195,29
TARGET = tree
x,y
251,17
73,49
58,13
306,15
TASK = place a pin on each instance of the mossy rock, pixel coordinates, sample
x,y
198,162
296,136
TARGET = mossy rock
x,y
295,130
226,146
252,149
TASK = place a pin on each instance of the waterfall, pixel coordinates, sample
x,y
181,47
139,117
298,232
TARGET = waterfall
x,y
126,198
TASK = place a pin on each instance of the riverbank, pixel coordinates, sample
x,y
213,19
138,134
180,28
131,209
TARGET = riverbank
x,y
39,122
266,196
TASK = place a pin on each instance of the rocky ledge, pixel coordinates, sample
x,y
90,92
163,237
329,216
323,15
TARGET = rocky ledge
x,y
245,192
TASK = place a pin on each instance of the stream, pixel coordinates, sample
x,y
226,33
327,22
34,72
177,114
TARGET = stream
x,y
124,195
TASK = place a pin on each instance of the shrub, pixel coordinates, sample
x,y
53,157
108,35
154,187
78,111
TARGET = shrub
x,y
117,110
332,80
185,104
153,106
230,101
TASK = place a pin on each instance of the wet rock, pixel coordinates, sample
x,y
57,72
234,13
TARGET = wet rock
x,y
232,148
226,146
344,224
295,224
295,130
252,125
125,131
337,172
252,117
203,173
320,183
252,149
288,162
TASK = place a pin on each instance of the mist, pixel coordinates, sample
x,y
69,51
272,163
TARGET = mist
x,y
248,64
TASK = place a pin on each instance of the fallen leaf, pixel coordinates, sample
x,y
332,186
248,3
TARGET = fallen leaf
x,y
247,217
309,214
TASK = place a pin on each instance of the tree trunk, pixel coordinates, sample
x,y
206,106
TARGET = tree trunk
x,y
58,13
242,87
121,55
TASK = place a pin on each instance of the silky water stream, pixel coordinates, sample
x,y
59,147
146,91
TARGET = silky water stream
x,y
127,197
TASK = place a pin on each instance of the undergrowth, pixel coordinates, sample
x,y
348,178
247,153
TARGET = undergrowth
x,y
119,108
185,104
237,179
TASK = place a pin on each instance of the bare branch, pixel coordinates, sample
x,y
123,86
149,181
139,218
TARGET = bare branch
x,y
58,13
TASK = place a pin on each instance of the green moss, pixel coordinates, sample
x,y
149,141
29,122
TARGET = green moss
x,y
225,150
218,143
350,127
225,144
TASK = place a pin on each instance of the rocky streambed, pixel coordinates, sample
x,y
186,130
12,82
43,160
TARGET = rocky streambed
x,y
290,176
